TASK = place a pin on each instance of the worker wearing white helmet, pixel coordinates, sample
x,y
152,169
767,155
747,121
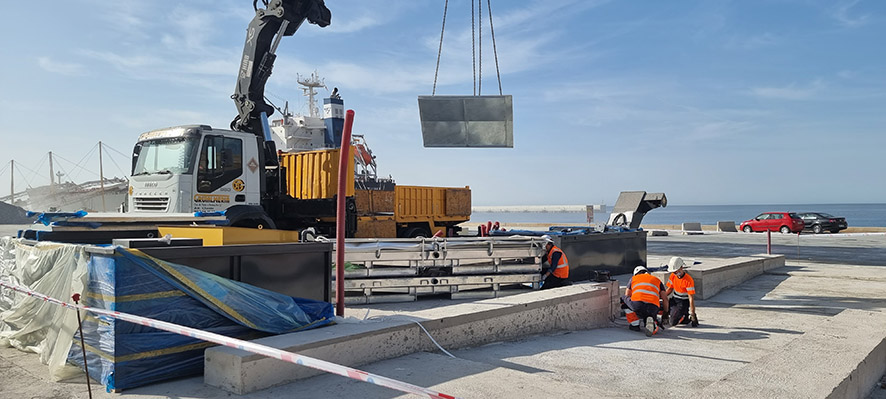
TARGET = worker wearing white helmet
x,y
681,289
641,301
557,272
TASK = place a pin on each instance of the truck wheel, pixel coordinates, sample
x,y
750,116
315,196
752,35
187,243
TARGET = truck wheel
x,y
785,230
747,229
816,229
417,232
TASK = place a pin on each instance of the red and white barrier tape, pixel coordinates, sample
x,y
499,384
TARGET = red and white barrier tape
x,y
247,346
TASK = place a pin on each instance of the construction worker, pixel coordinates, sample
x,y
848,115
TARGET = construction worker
x,y
557,272
681,289
641,303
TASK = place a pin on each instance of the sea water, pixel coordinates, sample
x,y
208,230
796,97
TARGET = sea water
x,y
857,215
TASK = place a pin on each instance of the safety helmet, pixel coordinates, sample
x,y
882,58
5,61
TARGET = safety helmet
x,y
640,269
675,264
547,239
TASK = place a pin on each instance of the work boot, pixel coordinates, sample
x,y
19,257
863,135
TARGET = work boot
x,y
634,328
650,326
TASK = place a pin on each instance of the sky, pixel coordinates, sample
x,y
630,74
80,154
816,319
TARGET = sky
x,y
709,102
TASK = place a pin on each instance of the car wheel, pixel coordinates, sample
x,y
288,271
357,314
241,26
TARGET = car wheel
x,y
785,230
816,229
748,229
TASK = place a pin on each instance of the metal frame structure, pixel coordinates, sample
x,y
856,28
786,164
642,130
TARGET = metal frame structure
x,y
396,270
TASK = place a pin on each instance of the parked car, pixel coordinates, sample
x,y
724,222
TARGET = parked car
x,y
818,222
785,222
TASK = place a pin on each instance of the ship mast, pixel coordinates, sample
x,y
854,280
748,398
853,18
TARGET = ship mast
x,y
310,83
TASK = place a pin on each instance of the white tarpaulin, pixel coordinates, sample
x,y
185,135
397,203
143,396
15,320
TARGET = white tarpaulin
x,y
30,324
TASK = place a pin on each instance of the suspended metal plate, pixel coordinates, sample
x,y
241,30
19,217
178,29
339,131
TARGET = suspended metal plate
x,y
467,121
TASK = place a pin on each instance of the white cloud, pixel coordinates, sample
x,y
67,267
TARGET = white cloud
x,y
841,12
755,41
62,68
144,120
790,92
846,74
540,10
358,24
191,29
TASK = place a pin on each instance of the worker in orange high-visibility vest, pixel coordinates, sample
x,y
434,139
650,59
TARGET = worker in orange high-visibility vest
x,y
557,272
681,290
641,301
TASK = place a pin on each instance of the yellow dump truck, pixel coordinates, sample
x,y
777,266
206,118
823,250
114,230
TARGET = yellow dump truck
x,y
382,209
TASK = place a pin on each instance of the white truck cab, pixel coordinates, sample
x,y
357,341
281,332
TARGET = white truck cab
x,y
195,168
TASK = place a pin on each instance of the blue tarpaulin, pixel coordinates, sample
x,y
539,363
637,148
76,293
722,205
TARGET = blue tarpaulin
x,y
124,355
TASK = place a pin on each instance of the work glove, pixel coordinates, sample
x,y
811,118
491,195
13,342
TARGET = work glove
x,y
693,320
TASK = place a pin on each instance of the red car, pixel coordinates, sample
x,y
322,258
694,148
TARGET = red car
x,y
785,222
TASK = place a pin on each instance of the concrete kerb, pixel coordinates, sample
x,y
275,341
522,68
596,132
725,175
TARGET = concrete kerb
x,y
580,306
713,277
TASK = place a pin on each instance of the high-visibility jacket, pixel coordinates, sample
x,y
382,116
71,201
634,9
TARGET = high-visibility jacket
x,y
683,286
561,269
646,288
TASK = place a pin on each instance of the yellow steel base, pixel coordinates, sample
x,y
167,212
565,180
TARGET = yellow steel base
x,y
215,235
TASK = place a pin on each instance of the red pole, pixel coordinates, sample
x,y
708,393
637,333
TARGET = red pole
x,y
768,242
340,215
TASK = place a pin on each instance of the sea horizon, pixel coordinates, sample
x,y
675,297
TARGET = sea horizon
x,y
856,214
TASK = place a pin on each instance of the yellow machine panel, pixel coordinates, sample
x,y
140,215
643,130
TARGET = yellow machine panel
x,y
314,174
215,235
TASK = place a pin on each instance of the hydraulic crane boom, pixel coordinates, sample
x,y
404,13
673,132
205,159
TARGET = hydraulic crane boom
x,y
279,18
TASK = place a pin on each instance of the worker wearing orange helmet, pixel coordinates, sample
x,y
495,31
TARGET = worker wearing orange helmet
x,y
641,301
681,289
557,273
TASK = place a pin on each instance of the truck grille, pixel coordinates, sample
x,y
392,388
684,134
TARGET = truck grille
x,y
151,204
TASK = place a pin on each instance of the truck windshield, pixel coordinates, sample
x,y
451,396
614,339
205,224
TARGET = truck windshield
x,y
166,155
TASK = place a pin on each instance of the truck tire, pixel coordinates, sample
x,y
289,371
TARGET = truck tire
x,y
417,232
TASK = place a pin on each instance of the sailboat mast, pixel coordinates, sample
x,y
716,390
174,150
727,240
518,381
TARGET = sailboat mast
x,y
101,175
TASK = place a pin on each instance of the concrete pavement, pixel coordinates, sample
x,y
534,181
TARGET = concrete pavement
x,y
804,330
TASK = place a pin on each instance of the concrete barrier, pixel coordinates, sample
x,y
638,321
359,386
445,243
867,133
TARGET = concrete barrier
x,y
728,226
691,228
714,276
576,307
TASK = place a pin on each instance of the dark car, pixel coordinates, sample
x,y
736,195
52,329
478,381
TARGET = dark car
x,y
785,222
819,222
